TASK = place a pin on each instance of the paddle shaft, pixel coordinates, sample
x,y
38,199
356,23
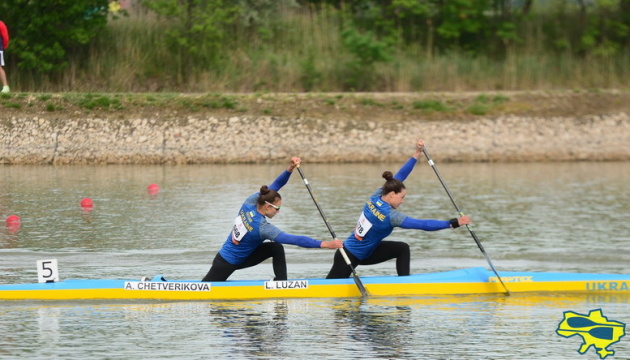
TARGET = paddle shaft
x,y
604,333
357,281
472,233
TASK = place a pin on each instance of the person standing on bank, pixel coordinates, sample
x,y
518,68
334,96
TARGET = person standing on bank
x,y
380,215
246,247
4,43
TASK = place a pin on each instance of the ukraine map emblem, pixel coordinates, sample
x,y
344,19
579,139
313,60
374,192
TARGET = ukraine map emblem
x,y
594,329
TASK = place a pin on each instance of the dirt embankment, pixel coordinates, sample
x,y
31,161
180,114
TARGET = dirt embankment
x,y
230,128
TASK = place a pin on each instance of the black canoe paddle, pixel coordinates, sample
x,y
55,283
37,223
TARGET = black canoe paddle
x,y
432,164
357,281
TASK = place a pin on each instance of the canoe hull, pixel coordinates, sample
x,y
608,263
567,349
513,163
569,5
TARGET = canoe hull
x,y
457,282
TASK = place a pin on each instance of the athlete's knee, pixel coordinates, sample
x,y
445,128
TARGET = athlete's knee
x,y
403,248
336,273
277,248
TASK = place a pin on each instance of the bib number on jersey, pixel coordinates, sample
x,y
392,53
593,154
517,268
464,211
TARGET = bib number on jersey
x,y
239,230
363,226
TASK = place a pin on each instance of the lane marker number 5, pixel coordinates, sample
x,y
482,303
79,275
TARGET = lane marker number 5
x,y
47,271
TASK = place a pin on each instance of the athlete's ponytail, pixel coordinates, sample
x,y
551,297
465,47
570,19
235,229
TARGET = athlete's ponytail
x,y
267,195
391,184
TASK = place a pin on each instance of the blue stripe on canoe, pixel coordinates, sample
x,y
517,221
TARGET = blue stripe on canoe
x,y
471,275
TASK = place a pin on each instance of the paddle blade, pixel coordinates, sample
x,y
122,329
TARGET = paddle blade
x,y
602,332
359,283
579,322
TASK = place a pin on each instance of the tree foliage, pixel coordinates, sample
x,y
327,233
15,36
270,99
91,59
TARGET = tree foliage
x,y
44,32
491,27
200,37
197,27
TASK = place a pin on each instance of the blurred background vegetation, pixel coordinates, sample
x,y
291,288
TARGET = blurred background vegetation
x,y
316,45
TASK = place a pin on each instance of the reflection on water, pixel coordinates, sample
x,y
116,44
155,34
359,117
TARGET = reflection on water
x,y
255,331
529,217
449,327
384,330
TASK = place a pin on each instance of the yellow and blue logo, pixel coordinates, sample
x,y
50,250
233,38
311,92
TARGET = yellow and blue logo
x,y
594,329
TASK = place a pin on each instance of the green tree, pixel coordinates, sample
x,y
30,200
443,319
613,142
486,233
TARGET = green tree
x,y
44,32
366,51
606,30
197,28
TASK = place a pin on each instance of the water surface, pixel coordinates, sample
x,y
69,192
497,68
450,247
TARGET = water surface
x,y
529,217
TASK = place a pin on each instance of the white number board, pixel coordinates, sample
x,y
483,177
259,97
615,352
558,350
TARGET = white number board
x,y
47,271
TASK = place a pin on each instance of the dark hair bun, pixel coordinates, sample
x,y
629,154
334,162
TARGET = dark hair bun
x,y
264,190
387,175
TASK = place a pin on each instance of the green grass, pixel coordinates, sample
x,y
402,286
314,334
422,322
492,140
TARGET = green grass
x,y
368,102
478,109
133,55
12,105
430,105
90,102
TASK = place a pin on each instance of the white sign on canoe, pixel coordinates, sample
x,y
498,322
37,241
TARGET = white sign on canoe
x,y
286,284
166,286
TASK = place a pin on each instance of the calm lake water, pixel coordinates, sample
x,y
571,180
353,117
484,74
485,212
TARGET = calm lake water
x,y
530,217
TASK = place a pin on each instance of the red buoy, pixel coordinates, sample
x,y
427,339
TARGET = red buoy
x,y
87,204
13,219
13,223
153,189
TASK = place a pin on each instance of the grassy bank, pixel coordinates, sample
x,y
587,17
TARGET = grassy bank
x,y
303,52
337,106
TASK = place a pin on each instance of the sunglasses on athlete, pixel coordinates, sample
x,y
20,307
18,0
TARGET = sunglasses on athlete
x,y
273,206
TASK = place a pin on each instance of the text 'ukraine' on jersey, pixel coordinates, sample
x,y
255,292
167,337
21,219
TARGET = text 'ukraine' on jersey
x,y
374,225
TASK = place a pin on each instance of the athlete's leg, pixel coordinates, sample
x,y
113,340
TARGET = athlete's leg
x,y
220,269
387,250
265,251
3,75
341,270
